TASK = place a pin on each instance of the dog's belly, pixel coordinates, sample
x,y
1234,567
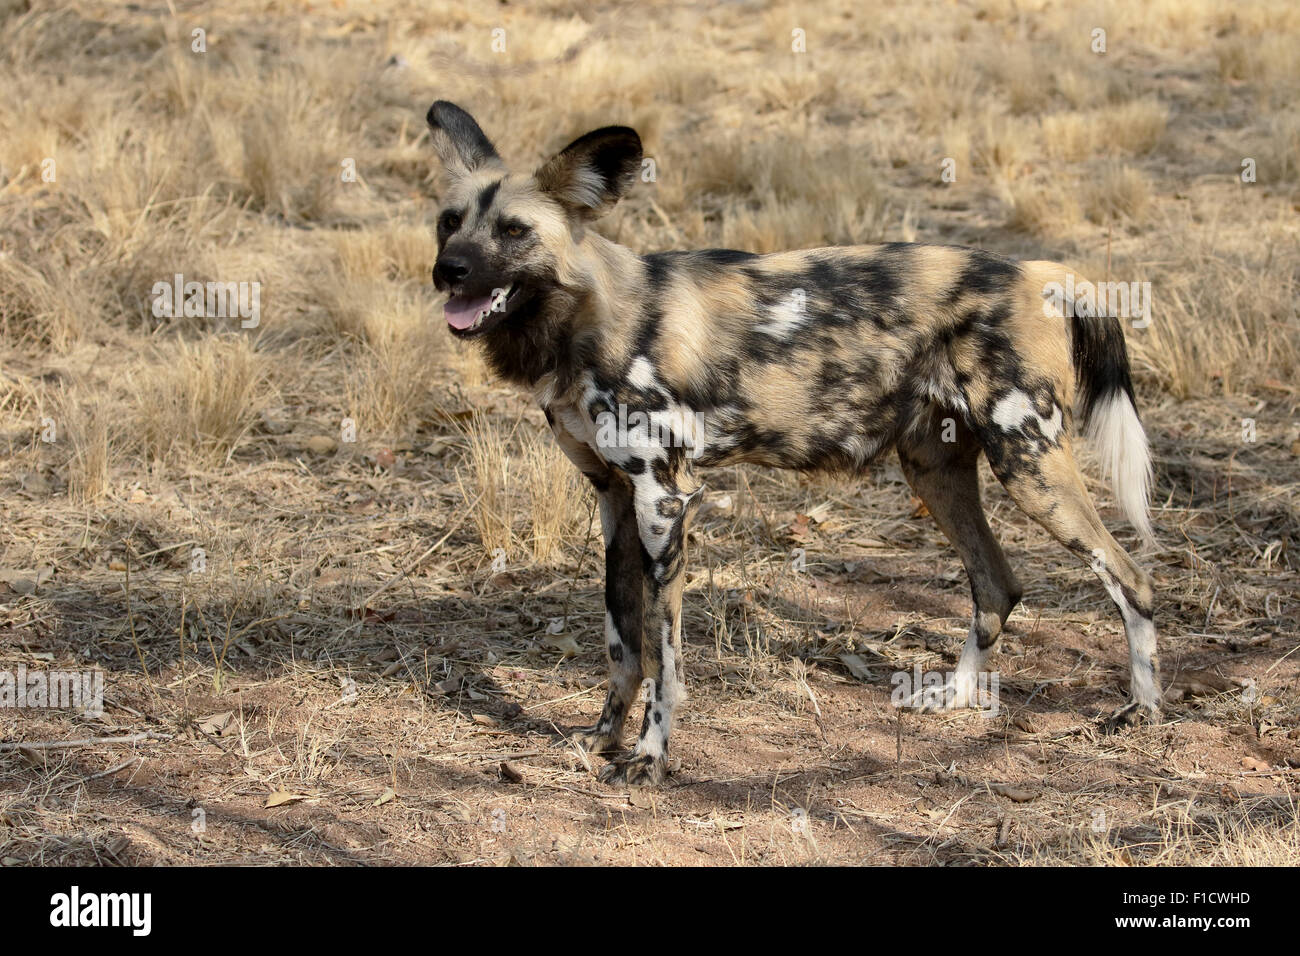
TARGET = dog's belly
x,y
849,440
838,433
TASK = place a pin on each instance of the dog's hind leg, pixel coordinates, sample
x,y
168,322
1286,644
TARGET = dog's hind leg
x,y
940,462
1040,474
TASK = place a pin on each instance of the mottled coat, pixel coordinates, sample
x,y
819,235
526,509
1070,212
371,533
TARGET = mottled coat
x,y
650,366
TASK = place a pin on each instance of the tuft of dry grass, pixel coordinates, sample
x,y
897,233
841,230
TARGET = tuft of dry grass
x,y
1004,146
1261,833
297,176
557,499
91,430
37,311
489,483
1214,329
1132,128
1117,191
517,473
1043,208
198,402
782,193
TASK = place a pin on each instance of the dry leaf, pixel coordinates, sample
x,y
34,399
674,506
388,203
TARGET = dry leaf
x,y
384,797
218,724
1025,723
565,645
1012,793
857,666
448,686
25,582
282,797
321,444
800,529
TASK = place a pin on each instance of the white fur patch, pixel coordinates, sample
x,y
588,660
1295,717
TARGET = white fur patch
x,y
1121,445
787,317
586,188
965,679
1013,408
946,394
642,374
653,527
1141,635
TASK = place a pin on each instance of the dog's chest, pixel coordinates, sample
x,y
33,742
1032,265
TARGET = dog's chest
x,y
624,425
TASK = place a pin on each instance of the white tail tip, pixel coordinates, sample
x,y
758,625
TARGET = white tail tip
x,y
1121,444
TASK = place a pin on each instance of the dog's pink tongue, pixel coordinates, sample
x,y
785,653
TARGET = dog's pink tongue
x,y
461,311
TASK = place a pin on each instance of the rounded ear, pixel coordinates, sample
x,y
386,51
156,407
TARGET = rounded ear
x,y
460,143
591,174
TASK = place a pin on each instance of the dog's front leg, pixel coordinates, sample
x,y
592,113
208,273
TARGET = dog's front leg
x,y
624,608
663,511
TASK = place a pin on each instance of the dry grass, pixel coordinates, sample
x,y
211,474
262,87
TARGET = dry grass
x,y
1132,128
375,563
559,501
527,497
91,434
490,484
1116,191
197,403
1044,209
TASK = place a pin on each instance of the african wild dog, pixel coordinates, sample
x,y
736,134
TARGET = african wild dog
x,y
823,358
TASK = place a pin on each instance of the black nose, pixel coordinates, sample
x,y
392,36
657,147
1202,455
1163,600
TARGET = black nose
x,y
451,269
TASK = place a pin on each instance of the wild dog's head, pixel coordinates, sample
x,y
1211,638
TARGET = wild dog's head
x,y
507,242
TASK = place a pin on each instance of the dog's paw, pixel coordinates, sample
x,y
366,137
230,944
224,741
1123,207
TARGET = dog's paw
x,y
1131,714
635,770
958,692
594,740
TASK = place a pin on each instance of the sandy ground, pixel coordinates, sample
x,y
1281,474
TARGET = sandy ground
x,y
311,651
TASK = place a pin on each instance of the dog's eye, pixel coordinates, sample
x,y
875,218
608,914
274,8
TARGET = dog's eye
x,y
450,221
515,229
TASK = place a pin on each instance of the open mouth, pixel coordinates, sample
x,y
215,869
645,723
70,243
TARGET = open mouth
x,y
473,315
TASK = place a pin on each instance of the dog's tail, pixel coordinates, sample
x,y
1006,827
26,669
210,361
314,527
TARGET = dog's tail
x,y
1108,414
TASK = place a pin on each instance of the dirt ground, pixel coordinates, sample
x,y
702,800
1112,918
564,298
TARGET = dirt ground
x,y
322,651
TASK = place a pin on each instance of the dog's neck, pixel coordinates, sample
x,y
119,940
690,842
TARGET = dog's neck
x,y
546,348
